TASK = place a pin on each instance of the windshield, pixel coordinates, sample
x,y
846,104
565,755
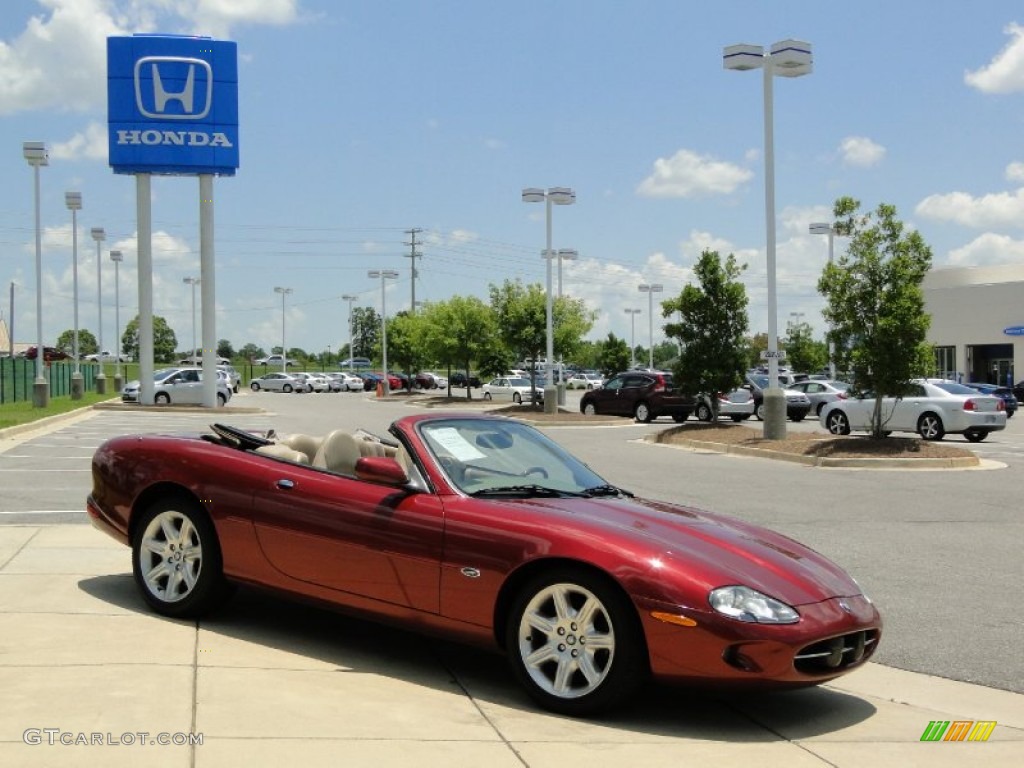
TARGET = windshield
x,y
481,456
953,388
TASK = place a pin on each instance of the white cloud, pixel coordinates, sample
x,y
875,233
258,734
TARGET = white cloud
x,y
988,249
688,174
1015,172
1005,73
861,152
994,210
216,17
90,144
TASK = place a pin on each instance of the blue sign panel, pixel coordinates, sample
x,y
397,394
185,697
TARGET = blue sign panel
x,y
1014,330
172,104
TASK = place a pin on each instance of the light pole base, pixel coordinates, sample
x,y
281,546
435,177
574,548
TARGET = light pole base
x,y
118,383
774,414
101,385
77,386
40,393
550,399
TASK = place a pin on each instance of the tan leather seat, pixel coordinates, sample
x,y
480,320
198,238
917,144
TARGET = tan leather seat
x,y
281,451
338,452
307,444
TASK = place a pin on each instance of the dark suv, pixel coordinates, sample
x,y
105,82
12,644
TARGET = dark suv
x,y
645,395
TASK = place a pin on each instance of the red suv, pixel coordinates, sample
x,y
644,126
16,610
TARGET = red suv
x,y
49,354
642,394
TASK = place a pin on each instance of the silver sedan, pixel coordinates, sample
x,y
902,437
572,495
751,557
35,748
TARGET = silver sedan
x,y
510,388
280,382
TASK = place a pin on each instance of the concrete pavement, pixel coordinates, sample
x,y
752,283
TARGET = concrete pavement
x,y
270,682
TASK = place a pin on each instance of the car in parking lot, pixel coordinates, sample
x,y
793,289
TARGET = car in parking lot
x,y
317,383
798,405
355,363
275,360
460,379
932,408
737,405
106,357
1004,393
430,380
50,354
178,386
585,381
820,391
644,395
514,388
279,382
347,382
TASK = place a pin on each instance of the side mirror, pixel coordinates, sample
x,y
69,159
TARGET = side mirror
x,y
383,470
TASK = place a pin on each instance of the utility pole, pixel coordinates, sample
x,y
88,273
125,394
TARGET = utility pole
x,y
413,253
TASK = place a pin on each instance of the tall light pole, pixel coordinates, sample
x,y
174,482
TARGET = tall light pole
x,y
632,335
194,281
117,258
36,154
553,196
824,228
350,297
650,289
284,349
384,275
73,200
788,58
564,254
99,235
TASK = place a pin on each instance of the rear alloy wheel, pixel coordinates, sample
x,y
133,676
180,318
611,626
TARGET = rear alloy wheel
x,y
976,435
704,412
162,398
589,409
837,423
643,412
929,427
574,643
176,560
255,386
286,388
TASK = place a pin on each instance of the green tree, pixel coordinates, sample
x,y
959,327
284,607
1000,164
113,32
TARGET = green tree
x,y
86,342
251,352
164,340
225,349
754,346
803,352
875,305
711,328
407,342
613,356
365,332
459,331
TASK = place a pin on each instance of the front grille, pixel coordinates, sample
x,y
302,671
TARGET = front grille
x,y
836,653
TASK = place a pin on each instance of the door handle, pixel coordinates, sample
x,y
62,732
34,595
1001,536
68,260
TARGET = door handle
x,y
285,484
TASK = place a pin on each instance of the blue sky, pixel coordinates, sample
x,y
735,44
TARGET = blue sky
x,y
360,120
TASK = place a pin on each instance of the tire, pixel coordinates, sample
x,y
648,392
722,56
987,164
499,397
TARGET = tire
x,y
590,655
976,435
162,398
255,386
837,423
221,400
929,427
759,411
642,412
517,398
176,559
704,412
287,388
487,395
589,409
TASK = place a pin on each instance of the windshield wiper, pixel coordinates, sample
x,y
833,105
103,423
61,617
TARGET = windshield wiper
x,y
523,491
607,490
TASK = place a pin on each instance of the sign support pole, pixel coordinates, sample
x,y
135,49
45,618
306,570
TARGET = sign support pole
x,y
144,217
208,294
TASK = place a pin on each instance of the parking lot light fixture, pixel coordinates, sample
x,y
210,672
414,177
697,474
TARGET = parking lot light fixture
x,y
650,289
632,335
117,257
37,156
384,275
73,200
553,196
99,235
787,58
284,350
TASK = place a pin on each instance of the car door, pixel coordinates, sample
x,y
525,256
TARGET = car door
x,y
908,409
184,387
607,400
367,540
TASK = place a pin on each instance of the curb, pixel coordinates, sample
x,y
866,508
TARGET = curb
x,y
119,406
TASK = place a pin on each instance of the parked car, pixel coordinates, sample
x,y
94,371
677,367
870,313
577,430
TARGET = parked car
x,y
585,381
644,395
370,379
403,380
460,379
931,407
178,386
106,357
820,392
430,380
738,405
347,382
234,377
587,589
317,383
798,405
1018,391
1004,393
275,360
197,360
279,382
355,362
50,354
514,388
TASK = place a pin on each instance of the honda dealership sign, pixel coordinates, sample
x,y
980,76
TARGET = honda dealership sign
x,y
172,105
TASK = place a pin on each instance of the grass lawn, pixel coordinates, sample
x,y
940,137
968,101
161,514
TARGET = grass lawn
x,y
13,414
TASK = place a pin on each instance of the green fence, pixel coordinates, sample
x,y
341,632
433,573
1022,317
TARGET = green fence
x,y
18,374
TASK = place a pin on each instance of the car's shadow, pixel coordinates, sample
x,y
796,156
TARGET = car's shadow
x,y
350,644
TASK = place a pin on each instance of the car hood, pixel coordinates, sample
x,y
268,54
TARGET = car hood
x,y
700,545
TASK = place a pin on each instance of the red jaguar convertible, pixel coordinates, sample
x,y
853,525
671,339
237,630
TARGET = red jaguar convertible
x,y
482,529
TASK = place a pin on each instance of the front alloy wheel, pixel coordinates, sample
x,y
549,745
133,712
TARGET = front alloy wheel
x,y
574,644
929,427
643,412
704,412
837,423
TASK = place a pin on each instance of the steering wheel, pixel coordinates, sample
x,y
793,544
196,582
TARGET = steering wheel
x,y
536,471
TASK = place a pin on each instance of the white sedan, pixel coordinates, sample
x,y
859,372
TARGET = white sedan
x,y
932,407
738,405
317,383
511,388
279,382
585,381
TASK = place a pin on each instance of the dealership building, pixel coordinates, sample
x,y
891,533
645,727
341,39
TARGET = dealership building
x,y
977,322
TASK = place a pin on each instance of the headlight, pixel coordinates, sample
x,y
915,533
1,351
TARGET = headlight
x,y
746,604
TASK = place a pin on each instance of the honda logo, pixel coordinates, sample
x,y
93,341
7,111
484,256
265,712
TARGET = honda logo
x,y
188,99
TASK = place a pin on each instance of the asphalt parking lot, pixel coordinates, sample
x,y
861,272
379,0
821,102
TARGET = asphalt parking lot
x,y
937,550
